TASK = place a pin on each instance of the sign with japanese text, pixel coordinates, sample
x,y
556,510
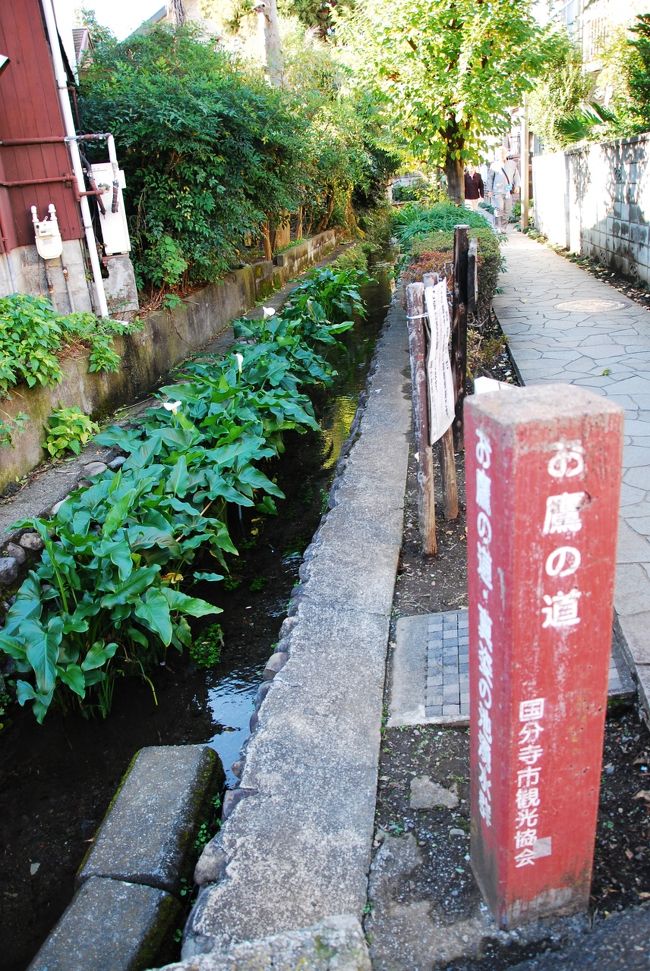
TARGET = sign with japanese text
x,y
442,400
543,478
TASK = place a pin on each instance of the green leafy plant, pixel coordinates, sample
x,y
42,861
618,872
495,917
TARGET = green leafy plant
x,y
33,335
68,430
205,650
11,426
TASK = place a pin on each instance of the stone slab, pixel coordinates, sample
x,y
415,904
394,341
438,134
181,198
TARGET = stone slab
x,y
150,825
141,920
336,944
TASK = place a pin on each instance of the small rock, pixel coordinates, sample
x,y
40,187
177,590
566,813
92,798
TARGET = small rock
x,y
18,553
8,570
237,768
425,794
117,462
31,541
262,692
232,798
211,865
34,868
454,831
95,468
274,664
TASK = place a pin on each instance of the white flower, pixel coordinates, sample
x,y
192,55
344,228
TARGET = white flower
x,y
173,406
268,312
240,361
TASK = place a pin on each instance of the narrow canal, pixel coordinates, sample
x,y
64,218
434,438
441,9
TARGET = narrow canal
x,y
57,780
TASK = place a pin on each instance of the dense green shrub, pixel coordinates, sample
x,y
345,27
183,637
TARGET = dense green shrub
x,y
428,235
215,156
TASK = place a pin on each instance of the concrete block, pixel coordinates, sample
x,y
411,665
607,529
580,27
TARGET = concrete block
x,y
109,926
148,831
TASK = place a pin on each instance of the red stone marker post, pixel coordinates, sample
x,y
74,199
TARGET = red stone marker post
x,y
543,476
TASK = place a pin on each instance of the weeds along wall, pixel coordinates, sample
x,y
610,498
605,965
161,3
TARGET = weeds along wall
x,y
146,354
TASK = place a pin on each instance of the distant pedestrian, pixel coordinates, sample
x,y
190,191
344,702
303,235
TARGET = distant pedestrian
x,y
502,181
474,189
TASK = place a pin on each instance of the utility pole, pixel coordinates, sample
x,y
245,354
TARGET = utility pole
x,y
525,165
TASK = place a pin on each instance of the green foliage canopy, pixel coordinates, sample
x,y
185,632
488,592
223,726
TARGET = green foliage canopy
x,y
448,71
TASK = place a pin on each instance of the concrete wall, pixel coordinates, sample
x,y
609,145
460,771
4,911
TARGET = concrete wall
x,y
595,201
166,338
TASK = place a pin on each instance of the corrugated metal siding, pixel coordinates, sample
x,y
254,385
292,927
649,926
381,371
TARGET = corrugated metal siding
x,y
29,108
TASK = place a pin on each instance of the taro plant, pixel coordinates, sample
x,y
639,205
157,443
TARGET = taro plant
x,y
68,430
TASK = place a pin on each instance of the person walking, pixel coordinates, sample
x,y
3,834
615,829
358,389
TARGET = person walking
x,y
474,189
502,180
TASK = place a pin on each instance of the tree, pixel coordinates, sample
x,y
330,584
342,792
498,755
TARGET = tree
x,y
269,28
448,72
559,95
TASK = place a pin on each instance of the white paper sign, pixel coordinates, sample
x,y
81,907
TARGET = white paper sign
x,y
441,385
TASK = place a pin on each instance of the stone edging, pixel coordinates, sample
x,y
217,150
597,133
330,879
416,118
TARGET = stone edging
x,y
127,901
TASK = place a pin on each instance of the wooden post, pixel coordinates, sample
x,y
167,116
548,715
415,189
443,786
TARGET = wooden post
x,y
417,354
543,476
459,325
524,161
446,454
472,277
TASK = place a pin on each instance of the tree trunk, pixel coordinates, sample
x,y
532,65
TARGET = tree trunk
x,y
177,11
455,172
299,229
269,29
266,239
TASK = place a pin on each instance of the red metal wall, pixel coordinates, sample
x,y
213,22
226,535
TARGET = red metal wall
x,y
29,107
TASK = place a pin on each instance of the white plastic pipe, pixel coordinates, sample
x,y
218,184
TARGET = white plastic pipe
x,y
68,121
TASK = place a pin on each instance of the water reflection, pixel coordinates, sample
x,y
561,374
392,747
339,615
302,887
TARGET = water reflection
x,y
231,705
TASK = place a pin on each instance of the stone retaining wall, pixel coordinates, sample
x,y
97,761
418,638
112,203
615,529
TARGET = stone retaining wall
x,y
166,338
595,201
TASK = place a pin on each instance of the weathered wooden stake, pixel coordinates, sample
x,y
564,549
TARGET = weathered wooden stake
x,y
417,354
543,476
459,325
472,276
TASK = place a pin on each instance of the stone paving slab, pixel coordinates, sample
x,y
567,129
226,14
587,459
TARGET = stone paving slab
x,y
85,940
548,304
430,676
147,833
336,944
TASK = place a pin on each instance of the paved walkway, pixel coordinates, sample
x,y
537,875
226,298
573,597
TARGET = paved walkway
x,y
564,325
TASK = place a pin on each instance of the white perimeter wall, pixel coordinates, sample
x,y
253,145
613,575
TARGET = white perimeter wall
x,y
595,201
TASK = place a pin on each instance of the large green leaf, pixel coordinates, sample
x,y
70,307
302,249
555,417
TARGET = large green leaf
x,y
189,605
130,591
153,611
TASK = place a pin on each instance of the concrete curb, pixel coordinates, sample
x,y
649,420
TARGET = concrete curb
x,y
133,870
296,847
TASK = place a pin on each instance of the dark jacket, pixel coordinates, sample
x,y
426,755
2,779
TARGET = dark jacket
x,y
473,186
